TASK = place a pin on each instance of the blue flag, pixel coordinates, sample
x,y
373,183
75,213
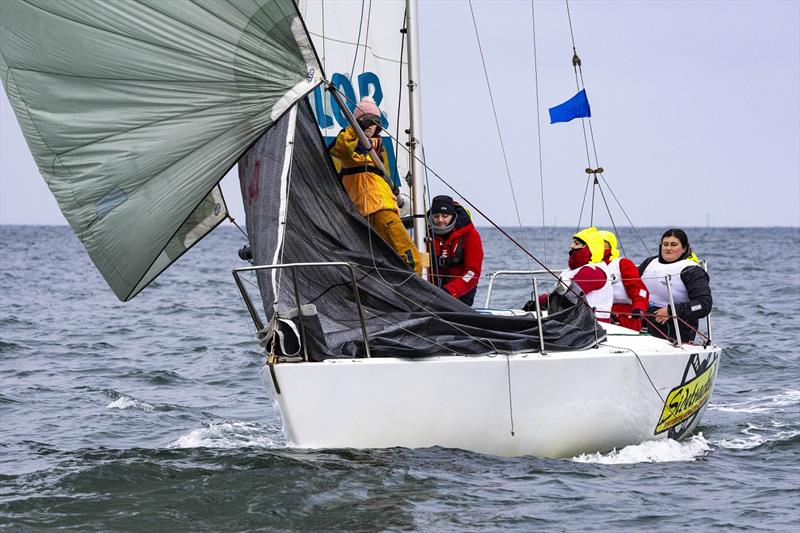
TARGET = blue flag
x,y
575,107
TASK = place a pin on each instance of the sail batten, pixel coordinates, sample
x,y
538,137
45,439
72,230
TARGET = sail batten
x,y
135,110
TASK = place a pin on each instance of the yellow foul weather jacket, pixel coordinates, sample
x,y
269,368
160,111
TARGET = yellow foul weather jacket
x,y
366,187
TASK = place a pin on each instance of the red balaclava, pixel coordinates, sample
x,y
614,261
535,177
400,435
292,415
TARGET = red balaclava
x,y
579,257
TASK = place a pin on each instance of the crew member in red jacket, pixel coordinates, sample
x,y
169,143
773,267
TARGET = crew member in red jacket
x,y
457,250
631,297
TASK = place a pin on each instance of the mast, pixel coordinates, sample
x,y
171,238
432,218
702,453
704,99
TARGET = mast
x,y
415,130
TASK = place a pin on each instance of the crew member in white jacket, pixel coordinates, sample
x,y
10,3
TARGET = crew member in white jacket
x,y
688,282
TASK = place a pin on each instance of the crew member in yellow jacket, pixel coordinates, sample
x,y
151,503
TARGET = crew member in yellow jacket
x,y
365,184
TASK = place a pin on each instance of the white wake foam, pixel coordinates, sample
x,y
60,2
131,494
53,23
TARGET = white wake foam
x,y
755,436
764,404
228,435
126,402
652,451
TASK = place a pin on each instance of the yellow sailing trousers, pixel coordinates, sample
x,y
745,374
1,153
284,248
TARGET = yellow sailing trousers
x,y
388,225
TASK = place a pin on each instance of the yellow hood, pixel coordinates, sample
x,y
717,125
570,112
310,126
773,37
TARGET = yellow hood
x,y
611,239
594,241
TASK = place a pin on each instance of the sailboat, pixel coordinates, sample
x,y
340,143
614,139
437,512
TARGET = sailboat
x,y
134,112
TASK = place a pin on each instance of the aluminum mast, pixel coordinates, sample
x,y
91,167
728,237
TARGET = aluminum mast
x,y
415,131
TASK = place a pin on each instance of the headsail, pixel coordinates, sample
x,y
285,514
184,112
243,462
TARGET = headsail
x,y
363,53
135,110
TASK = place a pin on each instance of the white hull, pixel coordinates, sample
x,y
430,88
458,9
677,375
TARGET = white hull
x,y
556,405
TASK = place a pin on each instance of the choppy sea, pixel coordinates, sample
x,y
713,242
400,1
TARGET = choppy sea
x,y
150,415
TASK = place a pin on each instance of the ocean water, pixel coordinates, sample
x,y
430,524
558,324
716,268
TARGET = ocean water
x,y
150,415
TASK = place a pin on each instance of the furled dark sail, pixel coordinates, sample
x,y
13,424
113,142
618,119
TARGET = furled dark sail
x,y
287,177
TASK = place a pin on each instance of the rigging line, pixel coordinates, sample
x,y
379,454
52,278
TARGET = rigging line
x,y
375,265
591,213
253,285
345,283
428,227
613,224
324,57
594,145
370,229
358,41
494,224
400,92
233,220
448,348
470,204
326,103
426,339
484,342
510,402
538,130
366,38
626,214
641,364
583,203
586,142
569,18
499,131
579,83
522,247
670,318
664,334
685,323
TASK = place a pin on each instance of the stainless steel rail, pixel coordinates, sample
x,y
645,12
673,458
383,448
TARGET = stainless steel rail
x,y
530,273
293,268
708,316
672,307
493,275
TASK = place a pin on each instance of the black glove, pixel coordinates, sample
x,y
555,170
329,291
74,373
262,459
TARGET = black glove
x,y
636,314
530,305
361,149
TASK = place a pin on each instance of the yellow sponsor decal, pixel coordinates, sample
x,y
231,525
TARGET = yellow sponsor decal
x,y
685,400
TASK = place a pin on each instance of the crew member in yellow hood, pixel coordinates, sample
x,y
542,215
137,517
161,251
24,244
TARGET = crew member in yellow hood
x,y
631,297
591,239
587,272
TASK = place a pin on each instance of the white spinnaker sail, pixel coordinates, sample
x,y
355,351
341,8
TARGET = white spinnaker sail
x,y
361,45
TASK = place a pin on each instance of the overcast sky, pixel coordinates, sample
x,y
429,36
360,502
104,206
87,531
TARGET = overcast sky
x,y
695,105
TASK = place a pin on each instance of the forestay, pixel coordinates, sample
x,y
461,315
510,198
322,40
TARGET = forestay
x,y
298,212
135,110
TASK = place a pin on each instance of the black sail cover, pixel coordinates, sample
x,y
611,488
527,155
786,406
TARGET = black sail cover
x,y
405,316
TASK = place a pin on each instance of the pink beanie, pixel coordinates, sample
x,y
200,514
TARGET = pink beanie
x,y
366,107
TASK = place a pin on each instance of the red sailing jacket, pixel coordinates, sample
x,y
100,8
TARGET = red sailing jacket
x,y
458,257
636,291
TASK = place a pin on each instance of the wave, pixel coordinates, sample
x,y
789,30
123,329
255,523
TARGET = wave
x,y
755,436
230,435
126,402
122,401
652,451
763,404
